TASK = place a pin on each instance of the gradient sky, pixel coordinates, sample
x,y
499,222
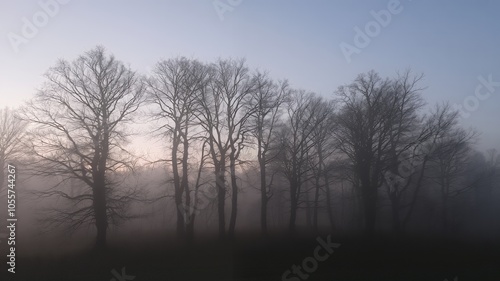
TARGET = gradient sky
x,y
451,42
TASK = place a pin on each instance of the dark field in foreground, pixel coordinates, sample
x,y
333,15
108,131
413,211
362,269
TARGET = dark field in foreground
x,y
382,258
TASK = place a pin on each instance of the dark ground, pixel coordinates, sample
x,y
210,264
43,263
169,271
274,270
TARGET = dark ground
x,y
382,258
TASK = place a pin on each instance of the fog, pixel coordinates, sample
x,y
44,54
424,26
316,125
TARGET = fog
x,y
249,140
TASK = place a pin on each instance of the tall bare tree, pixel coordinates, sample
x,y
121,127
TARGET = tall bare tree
x,y
376,121
79,133
409,132
297,146
12,130
267,101
224,117
324,149
408,168
449,161
174,89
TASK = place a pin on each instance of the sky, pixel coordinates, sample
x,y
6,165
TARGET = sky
x,y
455,44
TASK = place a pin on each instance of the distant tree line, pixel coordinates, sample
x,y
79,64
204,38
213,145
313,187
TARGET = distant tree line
x,y
372,150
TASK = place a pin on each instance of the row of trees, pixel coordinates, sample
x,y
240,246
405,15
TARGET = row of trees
x,y
221,117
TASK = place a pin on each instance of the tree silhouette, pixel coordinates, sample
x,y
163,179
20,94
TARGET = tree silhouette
x,y
79,136
376,126
174,89
12,130
304,116
267,102
224,116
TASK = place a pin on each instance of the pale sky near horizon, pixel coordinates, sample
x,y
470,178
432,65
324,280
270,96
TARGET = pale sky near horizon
x,y
451,42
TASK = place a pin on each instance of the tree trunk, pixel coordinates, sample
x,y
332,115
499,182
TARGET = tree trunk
x,y
368,196
415,194
192,217
308,203
99,175
234,196
444,214
185,185
316,202
220,181
101,218
177,188
396,221
263,195
317,185
293,209
329,202
369,207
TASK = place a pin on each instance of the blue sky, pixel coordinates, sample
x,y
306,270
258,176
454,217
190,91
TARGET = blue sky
x,y
451,42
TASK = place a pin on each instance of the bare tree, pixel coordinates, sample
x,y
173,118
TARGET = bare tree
x,y
449,161
297,146
482,175
409,132
12,130
324,148
374,123
174,89
380,131
408,169
223,116
79,134
267,101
